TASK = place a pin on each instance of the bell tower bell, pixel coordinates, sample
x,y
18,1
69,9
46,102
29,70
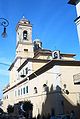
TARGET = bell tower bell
x,y
24,44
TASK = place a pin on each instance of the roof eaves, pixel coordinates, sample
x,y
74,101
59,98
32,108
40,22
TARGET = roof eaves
x,y
68,55
31,60
46,67
12,65
52,63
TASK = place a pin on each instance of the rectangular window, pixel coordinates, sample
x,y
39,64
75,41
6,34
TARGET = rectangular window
x,y
26,50
26,89
26,70
18,92
21,91
7,96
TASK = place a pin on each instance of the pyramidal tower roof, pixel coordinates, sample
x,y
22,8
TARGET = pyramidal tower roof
x,y
24,19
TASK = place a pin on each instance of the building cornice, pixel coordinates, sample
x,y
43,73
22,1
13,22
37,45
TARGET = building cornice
x,y
32,60
52,63
46,67
68,55
23,43
42,52
49,53
38,60
13,63
77,20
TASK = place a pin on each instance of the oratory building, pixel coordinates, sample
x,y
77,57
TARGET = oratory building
x,y
49,79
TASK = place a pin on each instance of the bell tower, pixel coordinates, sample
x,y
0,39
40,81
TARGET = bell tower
x,y
77,20
24,44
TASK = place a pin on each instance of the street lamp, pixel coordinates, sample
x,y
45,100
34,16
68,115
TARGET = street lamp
x,y
4,22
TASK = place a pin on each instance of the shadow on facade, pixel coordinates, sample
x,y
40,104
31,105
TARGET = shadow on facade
x,y
59,101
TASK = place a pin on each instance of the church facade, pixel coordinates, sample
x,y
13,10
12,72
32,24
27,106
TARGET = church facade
x,y
49,79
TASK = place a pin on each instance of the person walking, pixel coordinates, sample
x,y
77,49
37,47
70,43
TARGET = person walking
x,y
52,115
72,115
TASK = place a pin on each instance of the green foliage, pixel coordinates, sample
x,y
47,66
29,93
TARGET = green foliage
x,y
1,111
10,109
27,105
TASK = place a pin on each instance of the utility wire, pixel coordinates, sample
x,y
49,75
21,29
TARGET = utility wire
x,y
4,64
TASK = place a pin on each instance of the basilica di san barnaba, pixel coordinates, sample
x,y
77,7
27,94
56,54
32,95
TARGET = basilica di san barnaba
x,y
49,79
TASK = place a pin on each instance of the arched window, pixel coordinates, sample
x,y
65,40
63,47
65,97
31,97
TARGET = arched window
x,y
45,87
35,90
25,35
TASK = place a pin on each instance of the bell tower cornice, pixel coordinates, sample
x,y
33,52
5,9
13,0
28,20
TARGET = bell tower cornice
x,y
23,22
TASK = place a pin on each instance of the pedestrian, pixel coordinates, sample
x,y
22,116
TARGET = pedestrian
x,y
38,116
52,114
48,116
72,115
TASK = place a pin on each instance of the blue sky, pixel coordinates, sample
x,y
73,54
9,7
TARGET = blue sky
x,y
53,23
